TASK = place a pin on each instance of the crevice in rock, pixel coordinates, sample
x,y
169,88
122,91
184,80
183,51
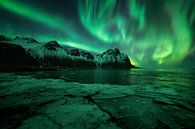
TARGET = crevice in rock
x,y
47,102
112,117
14,116
119,97
173,104
52,120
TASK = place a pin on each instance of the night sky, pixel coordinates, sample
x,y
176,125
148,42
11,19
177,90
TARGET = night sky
x,y
151,32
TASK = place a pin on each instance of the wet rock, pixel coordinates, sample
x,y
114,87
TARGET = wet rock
x,y
27,102
39,122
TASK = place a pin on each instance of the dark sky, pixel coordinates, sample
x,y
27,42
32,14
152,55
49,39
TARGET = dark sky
x,y
151,32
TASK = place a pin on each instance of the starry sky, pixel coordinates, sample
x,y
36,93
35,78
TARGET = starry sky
x,y
151,32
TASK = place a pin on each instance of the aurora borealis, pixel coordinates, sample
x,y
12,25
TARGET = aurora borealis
x,y
151,32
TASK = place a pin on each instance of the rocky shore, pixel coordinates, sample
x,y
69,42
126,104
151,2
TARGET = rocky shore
x,y
30,103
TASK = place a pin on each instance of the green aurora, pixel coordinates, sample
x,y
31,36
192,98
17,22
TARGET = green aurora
x,y
151,32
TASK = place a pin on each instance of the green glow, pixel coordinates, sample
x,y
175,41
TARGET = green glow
x,y
70,43
80,45
97,16
119,23
155,47
31,13
138,12
40,16
56,23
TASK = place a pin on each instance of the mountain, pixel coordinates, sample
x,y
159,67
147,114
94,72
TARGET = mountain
x,y
113,58
28,53
15,57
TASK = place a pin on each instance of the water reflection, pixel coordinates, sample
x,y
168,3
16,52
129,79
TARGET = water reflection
x,y
179,78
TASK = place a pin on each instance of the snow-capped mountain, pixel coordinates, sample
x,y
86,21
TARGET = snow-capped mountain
x,y
113,58
20,50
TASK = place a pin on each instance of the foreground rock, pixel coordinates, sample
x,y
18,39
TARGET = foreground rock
x,y
34,103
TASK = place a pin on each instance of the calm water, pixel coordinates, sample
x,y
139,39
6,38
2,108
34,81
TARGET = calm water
x,y
179,78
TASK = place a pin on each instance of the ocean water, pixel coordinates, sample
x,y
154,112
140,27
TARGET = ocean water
x,y
178,78
98,98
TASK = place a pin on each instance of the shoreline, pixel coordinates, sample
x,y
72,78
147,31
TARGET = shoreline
x,y
27,102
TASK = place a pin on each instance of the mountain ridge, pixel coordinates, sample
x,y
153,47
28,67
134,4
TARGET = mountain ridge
x,y
26,52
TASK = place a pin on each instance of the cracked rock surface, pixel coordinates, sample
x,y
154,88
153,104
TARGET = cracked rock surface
x,y
27,102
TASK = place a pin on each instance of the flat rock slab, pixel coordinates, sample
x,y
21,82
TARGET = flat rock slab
x,y
31,103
